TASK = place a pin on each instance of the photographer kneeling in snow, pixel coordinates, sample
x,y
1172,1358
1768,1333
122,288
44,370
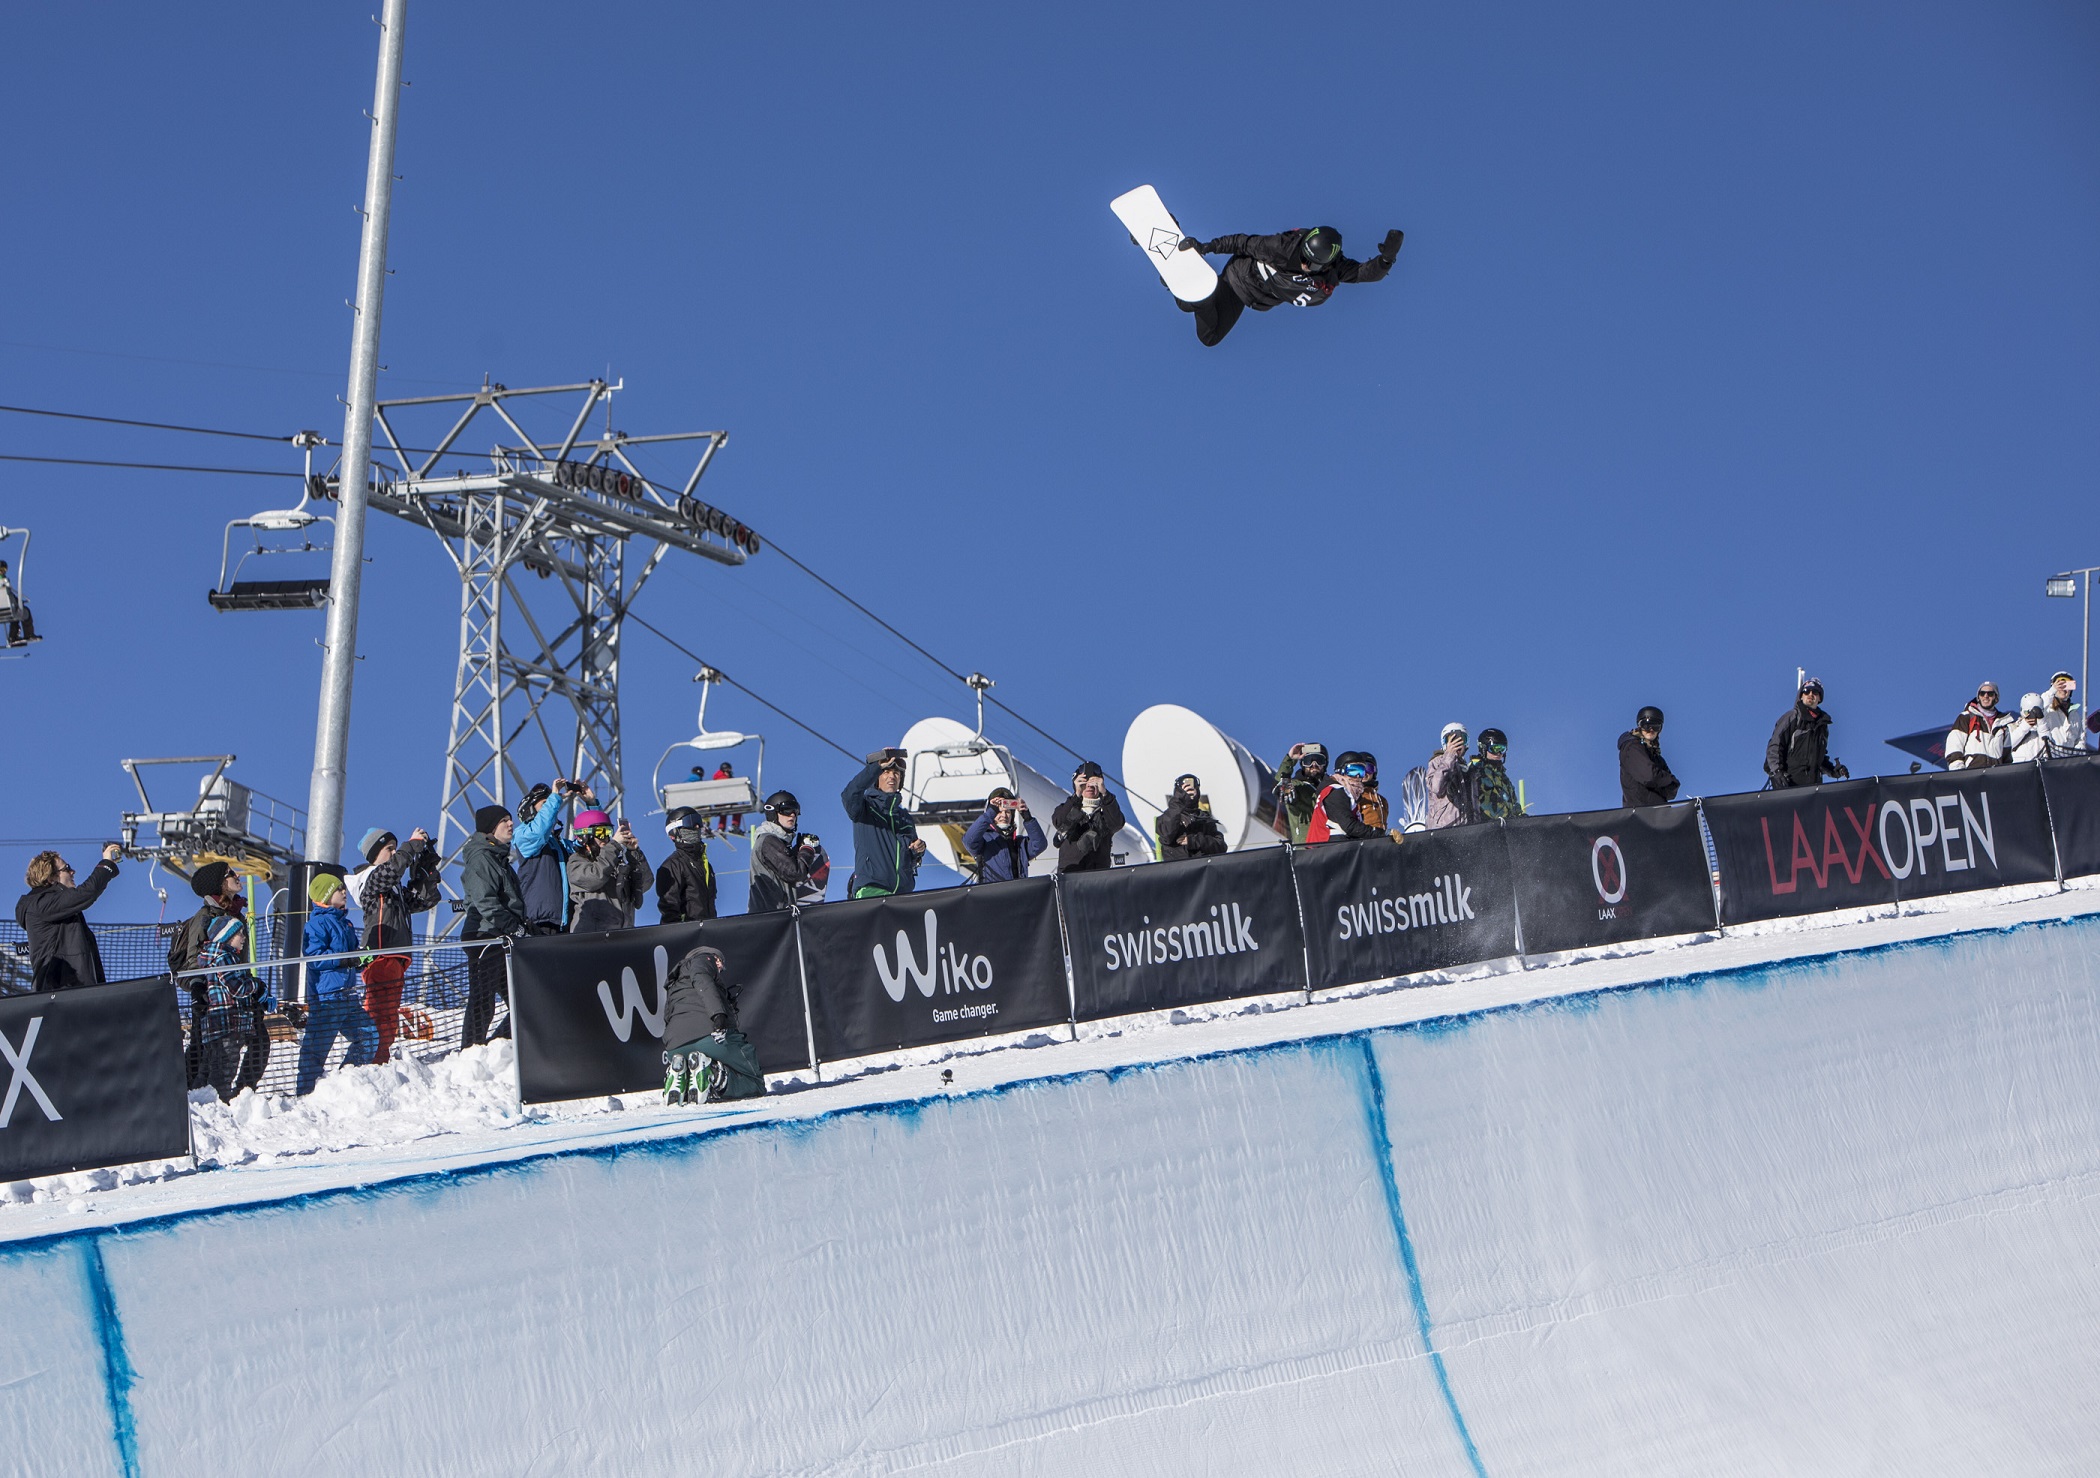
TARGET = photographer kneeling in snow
x,y
705,1056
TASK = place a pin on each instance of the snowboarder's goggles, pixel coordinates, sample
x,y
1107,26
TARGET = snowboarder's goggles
x,y
1356,772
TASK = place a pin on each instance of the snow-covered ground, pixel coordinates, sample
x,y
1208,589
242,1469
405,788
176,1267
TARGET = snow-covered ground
x,y
1816,1199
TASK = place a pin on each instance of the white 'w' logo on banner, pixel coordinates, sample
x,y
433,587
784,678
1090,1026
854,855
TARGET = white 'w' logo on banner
x,y
631,1002
909,969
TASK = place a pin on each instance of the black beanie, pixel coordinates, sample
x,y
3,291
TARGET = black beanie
x,y
207,880
488,818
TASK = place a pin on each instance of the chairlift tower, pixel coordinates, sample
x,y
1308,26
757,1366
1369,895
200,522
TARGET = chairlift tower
x,y
541,539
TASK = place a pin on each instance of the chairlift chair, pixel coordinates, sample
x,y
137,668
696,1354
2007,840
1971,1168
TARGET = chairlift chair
x,y
306,593
734,795
16,622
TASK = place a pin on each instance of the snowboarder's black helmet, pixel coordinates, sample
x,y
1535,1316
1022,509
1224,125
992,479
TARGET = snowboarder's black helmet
x,y
1322,244
682,819
782,802
1650,717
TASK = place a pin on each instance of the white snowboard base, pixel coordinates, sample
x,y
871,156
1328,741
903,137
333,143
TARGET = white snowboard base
x,y
1158,236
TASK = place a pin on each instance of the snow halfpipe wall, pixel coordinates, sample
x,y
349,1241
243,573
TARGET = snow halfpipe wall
x,y
1836,1215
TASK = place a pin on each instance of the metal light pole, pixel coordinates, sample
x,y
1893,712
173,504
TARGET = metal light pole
x,y
324,806
2064,586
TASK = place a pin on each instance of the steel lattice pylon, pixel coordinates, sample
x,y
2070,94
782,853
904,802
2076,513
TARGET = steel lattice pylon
x,y
541,542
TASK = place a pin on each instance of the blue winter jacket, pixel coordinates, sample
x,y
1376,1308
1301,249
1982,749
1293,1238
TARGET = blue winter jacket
x,y
543,864
1003,858
883,832
330,932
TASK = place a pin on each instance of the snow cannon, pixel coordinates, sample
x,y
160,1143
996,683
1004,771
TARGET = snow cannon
x,y
1167,741
949,772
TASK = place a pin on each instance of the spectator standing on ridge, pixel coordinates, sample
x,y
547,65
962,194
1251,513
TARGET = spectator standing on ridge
x,y
886,846
2028,738
1490,794
541,853
685,883
220,888
1186,828
1446,778
1086,823
1005,839
1334,815
787,866
335,1006
1299,780
1977,740
1644,775
233,998
1799,752
62,949
398,880
608,875
495,910
2063,720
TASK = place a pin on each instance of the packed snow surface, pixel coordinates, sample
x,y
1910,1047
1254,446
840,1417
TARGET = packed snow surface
x,y
1834,1213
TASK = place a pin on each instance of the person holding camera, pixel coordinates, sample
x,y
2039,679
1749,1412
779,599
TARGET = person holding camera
x,y
1299,780
542,852
1086,823
1336,817
1004,840
608,874
1186,828
788,867
1799,751
62,950
1450,798
397,880
886,846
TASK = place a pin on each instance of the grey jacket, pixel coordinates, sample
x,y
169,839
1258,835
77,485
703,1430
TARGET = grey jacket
x,y
617,880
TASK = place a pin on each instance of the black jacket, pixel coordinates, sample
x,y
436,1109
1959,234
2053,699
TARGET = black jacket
x,y
1644,776
778,868
1187,829
495,903
685,885
1086,843
883,831
1799,753
62,949
695,1004
1265,271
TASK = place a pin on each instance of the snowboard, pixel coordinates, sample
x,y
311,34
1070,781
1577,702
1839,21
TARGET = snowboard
x,y
1158,235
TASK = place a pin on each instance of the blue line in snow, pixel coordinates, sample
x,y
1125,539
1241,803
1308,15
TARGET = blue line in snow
x,y
1382,1146
118,1376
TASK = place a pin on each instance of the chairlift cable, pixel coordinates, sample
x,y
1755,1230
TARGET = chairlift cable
x,y
145,466
23,410
695,656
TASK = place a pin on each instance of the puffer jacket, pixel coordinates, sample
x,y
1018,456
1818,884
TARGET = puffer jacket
x,y
1449,796
1977,740
1003,856
605,890
1799,751
329,932
495,906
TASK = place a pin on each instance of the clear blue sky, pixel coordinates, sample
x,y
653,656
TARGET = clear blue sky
x,y
1721,343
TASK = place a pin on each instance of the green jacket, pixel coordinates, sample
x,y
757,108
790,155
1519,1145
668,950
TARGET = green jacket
x,y
495,903
1297,799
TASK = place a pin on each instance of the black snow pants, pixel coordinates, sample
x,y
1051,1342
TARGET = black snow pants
x,y
485,981
1216,314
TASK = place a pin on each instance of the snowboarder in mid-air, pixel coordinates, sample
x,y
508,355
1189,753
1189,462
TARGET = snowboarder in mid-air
x,y
1301,268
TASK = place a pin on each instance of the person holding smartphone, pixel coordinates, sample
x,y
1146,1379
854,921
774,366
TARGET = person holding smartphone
x,y
1005,839
608,874
886,846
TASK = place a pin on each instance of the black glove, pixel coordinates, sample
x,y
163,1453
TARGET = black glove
x,y
1390,247
295,1014
1838,770
1190,243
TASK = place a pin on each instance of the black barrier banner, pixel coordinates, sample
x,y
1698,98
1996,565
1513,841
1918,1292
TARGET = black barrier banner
x,y
1604,877
1955,833
1865,842
2073,787
1178,933
589,1008
934,967
94,1077
1378,909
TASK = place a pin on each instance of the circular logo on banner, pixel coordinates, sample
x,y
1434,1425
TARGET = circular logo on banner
x,y
1608,869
